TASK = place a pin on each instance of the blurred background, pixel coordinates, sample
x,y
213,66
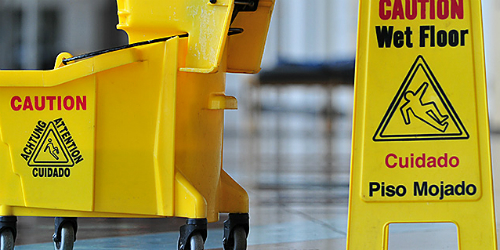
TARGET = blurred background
x,y
289,142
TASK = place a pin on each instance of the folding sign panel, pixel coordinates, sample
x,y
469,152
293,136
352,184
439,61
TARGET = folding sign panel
x,y
421,150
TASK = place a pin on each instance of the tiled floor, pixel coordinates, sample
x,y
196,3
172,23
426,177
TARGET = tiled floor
x,y
296,170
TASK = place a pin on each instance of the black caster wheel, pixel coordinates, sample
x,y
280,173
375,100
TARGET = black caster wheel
x,y
239,239
193,235
65,233
236,230
67,238
6,240
8,232
196,242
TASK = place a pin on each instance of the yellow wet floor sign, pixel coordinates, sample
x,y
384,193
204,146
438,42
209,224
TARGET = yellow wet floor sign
x,y
421,149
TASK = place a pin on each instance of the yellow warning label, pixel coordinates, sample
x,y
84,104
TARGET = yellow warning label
x,y
416,102
48,126
420,110
420,148
51,145
50,150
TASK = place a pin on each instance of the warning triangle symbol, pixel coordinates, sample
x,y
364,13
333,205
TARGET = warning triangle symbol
x,y
420,110
50,150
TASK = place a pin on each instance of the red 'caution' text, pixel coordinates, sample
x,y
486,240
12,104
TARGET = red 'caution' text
x,y
41,103
421,9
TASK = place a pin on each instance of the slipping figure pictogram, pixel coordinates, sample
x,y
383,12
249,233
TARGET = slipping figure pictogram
x,y
426,112
54,151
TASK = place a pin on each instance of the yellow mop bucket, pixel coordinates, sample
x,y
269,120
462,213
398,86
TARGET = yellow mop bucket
x,y
134,131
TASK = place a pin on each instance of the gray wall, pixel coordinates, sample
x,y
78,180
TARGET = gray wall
x,y
33,32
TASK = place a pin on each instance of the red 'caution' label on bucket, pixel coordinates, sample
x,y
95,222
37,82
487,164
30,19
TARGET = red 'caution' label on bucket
x,y
41,103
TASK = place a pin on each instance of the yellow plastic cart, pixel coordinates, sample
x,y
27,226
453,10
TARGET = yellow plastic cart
x,y
134,131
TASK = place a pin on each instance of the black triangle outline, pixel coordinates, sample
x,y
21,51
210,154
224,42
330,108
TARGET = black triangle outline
x,y
420,62
32,162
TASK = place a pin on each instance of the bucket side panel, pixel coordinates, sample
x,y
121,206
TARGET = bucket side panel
x,y
199,133
50,135
127,110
